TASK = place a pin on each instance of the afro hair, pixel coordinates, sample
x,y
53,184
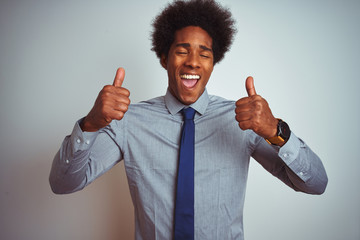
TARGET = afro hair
x,y
207,14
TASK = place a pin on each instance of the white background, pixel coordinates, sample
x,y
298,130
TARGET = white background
x,y
55,56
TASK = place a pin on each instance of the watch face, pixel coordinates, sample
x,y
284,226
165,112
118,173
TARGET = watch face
x,y
284,130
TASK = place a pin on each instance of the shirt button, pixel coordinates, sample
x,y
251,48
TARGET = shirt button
x,y
301,173
285,155
78,140
87,142
67,161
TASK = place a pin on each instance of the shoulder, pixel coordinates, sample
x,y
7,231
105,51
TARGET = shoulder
x,y
157,101
147,111
221,104
219,111
155,104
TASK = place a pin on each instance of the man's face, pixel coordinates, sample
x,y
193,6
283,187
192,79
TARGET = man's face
x,y
189,63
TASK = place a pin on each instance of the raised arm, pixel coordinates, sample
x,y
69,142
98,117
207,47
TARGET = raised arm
x,y
92,147
291,160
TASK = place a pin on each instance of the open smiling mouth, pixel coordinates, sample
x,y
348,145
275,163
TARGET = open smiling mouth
x,y
189,80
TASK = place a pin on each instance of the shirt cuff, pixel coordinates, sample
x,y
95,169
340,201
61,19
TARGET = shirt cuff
x,y
82,140
290,152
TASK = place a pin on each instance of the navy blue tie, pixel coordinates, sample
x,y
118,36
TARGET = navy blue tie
x,y
184,206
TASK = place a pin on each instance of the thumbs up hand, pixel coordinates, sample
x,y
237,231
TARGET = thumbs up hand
x,y
253,112
111,103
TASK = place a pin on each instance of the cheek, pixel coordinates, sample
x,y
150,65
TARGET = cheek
x,y
172,71
172,80
208,72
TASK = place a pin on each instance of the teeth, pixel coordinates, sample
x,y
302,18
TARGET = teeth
x,y
187,76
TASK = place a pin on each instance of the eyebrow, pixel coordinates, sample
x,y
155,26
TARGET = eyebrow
x,y
188,45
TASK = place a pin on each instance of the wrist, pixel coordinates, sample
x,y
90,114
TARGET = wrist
x,y
282,134
86,125
274,129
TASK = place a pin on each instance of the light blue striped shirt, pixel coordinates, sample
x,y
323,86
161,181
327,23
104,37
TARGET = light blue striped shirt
x,y
148,137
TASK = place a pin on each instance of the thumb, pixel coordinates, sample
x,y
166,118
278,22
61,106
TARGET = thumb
x,y
119,77
250,88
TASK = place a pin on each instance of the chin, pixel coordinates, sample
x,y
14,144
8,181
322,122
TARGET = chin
x,y
188,100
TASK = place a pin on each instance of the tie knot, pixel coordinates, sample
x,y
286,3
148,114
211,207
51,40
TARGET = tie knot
x,y
188,113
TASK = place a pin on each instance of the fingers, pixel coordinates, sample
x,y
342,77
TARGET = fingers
x,y
114,96
116,90
114,108
113,102
121,103
242,102
111,115
244,125
119,77
122,91
243,116
253,112
121,107
250,88
243,108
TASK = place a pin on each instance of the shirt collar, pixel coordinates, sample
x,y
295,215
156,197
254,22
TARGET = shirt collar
x,y
174,106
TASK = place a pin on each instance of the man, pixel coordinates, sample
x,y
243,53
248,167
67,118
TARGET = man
x,y
189,38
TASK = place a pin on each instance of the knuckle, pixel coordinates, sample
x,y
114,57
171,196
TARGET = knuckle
x,y
103,112
258,105
124,107
257,97
107,119
127,101
107,88
126,92
119,115
241,101
104,102
105,94
256,126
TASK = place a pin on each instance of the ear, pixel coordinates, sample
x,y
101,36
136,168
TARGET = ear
x,y
163,61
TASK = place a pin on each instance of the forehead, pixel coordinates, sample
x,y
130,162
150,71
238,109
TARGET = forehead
x,y
194,36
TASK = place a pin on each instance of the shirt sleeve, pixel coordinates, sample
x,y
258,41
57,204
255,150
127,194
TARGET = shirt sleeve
x,y
294,163
84,156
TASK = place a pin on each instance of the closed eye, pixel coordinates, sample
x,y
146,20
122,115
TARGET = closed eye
x,y
204,56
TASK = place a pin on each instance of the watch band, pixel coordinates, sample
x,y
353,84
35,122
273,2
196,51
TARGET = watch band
x,y
275,140
282,134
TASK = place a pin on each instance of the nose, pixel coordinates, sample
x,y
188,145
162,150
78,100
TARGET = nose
x,y
193,60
